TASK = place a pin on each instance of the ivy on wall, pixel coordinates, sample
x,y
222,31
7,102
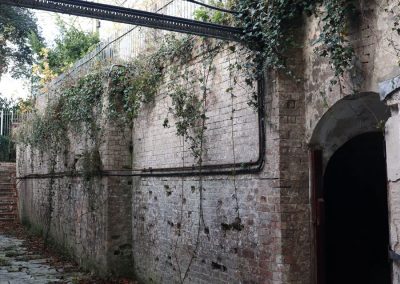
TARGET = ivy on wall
x,y
270,32
270,29
138,82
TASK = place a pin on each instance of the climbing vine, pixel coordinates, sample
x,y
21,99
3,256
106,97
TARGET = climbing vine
x,y
270,33
137,83
270,30
74,109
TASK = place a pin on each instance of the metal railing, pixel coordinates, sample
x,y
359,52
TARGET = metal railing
x,y
130,16
7,118
129,42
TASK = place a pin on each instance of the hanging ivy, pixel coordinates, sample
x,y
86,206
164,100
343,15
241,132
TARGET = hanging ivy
x,y
333,40
270,29
138,82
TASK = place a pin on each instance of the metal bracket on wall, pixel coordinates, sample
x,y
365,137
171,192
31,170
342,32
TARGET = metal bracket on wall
x,y
130,16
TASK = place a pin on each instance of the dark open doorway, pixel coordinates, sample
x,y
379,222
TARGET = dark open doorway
x,y
355,227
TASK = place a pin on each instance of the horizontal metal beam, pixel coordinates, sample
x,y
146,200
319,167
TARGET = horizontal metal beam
x,y
130,16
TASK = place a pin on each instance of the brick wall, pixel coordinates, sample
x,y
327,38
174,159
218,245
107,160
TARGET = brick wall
x,y
154,226
90,217
165,211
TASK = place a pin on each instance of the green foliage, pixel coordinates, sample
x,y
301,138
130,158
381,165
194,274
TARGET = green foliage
x,y
188,108
333,38
80,102
4,261
78,105
16,27
188,113
71,45
7,104
269,30
138,82
131,86
75,108
7,149
214,16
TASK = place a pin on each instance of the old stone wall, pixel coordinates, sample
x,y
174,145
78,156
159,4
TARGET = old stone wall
x,y
86,215
376,60
168,225
232,233
335,115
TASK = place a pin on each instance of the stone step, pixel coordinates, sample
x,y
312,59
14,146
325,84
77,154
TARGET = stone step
x,y
4,175
5,214
10,210
8,216
7,188
10,196
10,192
8,219
8,201
7,192
8,206
6,184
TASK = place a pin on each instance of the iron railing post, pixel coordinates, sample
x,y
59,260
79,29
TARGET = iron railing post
x,y
1,123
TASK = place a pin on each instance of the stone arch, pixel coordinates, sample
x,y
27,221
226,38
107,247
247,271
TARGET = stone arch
x,y
349,117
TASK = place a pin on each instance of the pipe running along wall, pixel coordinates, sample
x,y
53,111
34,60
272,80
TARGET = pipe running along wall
x,y
250,167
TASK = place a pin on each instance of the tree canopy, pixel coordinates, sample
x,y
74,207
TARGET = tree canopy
x,y
70,45
17,25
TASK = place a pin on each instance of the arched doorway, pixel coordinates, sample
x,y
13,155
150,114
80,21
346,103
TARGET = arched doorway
x,y
347,158
356,213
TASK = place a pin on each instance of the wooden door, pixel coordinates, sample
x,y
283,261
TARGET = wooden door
x,y
318,214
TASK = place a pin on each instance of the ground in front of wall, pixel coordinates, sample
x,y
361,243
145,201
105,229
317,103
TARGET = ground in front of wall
x,y
24,260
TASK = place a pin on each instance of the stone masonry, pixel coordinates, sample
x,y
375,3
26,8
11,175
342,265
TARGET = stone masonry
x,y
8,193
242,228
